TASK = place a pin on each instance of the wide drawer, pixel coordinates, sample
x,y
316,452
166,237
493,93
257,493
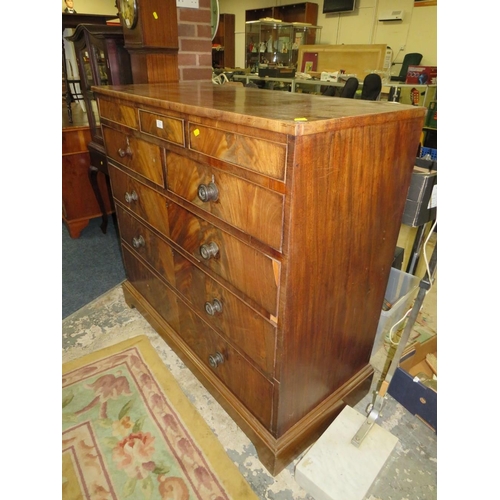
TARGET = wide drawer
x,y
251,208
260,155
118,113
244,381
152,249
168,128
246,268
225,312
136,154
143,201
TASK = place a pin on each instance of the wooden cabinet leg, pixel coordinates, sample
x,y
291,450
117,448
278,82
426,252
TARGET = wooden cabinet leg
x,y
93,171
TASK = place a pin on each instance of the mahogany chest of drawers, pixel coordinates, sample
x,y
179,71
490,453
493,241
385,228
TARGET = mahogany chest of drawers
x,y
258,230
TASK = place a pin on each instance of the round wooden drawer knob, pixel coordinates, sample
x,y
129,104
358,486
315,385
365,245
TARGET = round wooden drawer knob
x,y
138,242
216,359
208,192
214,307
209,250
130,197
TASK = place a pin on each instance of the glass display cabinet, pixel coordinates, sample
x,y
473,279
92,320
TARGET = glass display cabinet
x,y
274,45
102,60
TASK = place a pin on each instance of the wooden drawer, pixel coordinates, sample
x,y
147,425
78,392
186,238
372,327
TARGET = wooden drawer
x,y
251,208
247,269
119,113
246,383
257,154
167,128
151,248
140,199
140,156
226,313
236,321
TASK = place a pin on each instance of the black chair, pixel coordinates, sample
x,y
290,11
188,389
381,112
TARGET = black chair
x,y
372,86
411,59
350,87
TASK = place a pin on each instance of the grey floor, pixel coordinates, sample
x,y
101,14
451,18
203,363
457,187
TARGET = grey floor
x,y
91,265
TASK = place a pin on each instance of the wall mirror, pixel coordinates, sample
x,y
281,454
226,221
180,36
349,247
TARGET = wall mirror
x,y
214,8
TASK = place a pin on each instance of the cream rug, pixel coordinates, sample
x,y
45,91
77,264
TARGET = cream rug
x,y
411,472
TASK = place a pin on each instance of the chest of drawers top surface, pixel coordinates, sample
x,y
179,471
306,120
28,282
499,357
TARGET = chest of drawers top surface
x,y
285,112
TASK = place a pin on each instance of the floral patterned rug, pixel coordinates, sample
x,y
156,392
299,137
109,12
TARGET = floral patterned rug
x,y
129,432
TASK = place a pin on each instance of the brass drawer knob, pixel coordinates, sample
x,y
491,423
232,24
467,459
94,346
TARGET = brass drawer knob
x,y
214,307
208,192
138,242
125,152
130,197
216,359
209,250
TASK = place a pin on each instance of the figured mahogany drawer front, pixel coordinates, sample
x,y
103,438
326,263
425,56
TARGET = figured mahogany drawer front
x,y
249,270
251,208
140,199
164,127
253,389
226,313
214,303
140,156
119,113
263,156
152,249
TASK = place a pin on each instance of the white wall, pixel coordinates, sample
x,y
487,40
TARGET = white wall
x,y
106,7
417,32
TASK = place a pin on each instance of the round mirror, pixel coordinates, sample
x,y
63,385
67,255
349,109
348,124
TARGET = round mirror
x,y
214,8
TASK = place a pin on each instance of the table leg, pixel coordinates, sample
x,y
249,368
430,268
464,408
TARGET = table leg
x,y
93,171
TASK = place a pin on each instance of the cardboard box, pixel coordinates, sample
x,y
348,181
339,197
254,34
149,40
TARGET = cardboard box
x,y
421,200
412,384
421,75
330,76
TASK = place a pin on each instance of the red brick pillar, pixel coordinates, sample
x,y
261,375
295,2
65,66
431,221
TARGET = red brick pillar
x,y
195,42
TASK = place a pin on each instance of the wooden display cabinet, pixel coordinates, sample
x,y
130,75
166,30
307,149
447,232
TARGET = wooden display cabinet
x,y
79,204
277,44
302,12
102,60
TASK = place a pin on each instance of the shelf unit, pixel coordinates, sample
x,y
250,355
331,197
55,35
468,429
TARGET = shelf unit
x,y
223,43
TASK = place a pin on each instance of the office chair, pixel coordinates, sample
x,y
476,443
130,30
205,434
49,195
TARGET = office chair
x,y
372,86
350,87
411,59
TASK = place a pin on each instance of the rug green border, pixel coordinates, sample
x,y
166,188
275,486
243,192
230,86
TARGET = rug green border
x,y
234,483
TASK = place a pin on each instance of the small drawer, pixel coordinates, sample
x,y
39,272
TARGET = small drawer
x,y
118,113
227,314
251,387
143,201
251,208
164,127
140,156
260,155
152,249
249,270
